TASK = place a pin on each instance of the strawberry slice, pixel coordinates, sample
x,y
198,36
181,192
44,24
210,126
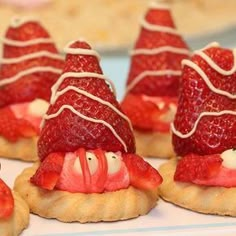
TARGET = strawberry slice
x,y
142,174
160,85
69,131
33,85
49,171
193,167
213,134
6,201
147,115
12,128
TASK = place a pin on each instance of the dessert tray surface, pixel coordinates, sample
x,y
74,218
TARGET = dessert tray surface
x,y
164,219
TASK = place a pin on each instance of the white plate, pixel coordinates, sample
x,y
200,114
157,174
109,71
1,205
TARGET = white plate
x,y
164,219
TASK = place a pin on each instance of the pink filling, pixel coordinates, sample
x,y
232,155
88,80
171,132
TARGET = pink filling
x,y
100,181
225,178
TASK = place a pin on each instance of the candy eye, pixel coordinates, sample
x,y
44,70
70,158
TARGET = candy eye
x,y
77,166
113,162
92,162
229,158
38,107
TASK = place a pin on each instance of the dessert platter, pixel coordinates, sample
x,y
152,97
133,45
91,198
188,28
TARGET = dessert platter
x,y
128,145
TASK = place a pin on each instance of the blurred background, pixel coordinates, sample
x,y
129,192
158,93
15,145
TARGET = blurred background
x,y
111,26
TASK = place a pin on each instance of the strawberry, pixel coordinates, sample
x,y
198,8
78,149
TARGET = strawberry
x,y
6,201
161,85
142,174
213,134
49,171
194,167
146,115
68,131
33,85
12,128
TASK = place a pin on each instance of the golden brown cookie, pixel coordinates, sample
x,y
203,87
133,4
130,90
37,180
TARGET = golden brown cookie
x,y
209,200
19,219
154,144
24,149
68,207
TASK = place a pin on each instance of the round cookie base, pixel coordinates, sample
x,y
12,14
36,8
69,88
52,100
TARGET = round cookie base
x,y
154,144
203,199
80,207
19,219
24,149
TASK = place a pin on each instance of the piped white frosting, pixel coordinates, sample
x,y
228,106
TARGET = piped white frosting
x,y
159,28
229,158
221,71
146,73
31,56
91,96
80,51
18,43
28,72
72,109
190,133
77,75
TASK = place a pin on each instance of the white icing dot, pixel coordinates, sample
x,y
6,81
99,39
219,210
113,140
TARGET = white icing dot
x,y
229,158
113,162
38,107
92,162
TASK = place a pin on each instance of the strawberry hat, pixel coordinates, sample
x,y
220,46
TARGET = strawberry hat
x,y
30,63
205,121
84,112
86,142
156,58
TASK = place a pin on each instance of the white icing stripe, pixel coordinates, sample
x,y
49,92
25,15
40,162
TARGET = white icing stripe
x,y
160,28
17,43
91,96
28,72
187,135
63,107
31,56
142,75
159,5
80,51
215,66
77,75
206,79
152,51
210,45
17,22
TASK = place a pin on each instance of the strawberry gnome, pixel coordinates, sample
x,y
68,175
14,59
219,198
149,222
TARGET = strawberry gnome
x,y
153,82
204,135
14,212
89,171
30,65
